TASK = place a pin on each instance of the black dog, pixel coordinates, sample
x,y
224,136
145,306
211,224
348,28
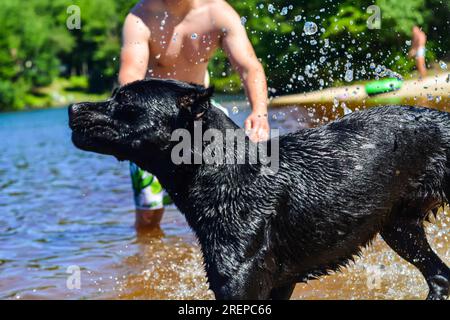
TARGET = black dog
x,y
381,170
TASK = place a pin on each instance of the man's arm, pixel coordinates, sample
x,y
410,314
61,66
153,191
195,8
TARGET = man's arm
x,y
135,52
242,56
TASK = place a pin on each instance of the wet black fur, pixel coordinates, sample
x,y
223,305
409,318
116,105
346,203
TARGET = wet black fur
x,y
380,170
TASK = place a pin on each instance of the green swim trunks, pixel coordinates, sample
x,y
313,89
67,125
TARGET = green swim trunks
x,y
148,192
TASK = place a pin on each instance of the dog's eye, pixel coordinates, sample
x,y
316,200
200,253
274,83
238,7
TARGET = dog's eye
x,y
126,113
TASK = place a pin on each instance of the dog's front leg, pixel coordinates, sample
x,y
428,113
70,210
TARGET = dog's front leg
x,y
245,278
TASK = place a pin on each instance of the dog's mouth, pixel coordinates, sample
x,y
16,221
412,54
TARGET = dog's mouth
x,y
88,137
94,132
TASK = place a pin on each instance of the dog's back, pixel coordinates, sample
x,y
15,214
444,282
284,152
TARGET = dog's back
x,y
354,176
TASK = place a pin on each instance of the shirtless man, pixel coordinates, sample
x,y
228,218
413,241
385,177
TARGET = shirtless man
x,y
175,39
419,39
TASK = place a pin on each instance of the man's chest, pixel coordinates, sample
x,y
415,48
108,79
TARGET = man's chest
x,y
190,41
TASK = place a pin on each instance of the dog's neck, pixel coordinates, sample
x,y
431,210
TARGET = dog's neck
x,y
176,177
210,198
187,183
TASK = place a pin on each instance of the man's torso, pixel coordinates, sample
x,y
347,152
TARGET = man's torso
x,y
419,39
180,47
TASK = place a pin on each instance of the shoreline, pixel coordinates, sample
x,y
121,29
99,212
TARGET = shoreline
x,y
65,91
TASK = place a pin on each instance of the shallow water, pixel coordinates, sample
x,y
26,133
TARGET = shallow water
x,y
61,207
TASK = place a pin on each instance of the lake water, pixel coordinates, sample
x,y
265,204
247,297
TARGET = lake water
x,y
63,208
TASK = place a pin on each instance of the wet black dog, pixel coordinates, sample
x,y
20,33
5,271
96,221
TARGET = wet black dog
x,y
381,170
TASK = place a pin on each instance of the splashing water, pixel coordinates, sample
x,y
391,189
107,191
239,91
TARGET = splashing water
x,y
348,75
382,71
163,21
346,109
443,65
310,28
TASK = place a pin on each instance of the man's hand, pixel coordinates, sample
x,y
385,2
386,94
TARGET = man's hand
x,y
257,126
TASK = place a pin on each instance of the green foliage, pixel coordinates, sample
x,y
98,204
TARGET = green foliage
x,y
78,83
29,48
401,16
98,42
36,47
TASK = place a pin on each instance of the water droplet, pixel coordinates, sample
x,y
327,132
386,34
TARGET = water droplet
x,y
271,8
310,28
443,65
335,102
235,110
348,75
284,11
194,36
243,20
345,108
297,18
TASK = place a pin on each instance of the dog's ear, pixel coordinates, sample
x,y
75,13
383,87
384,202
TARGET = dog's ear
x,y
197,101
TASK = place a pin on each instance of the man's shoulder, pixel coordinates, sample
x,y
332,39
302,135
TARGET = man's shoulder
x,y
147,6
217,5
220,10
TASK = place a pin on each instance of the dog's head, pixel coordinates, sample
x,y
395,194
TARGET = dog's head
x,y
138,119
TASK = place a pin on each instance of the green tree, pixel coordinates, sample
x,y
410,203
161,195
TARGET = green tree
x,y
29,45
